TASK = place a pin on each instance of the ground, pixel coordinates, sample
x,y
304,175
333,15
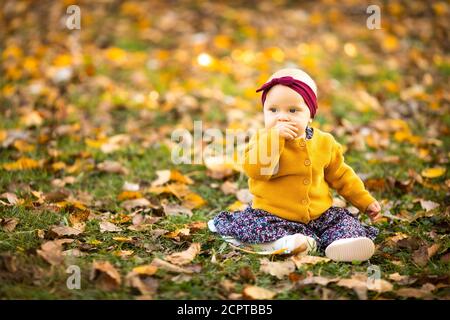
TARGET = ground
x,y
74,100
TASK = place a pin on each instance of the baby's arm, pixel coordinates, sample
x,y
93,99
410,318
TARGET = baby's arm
x,y
262,154
345,181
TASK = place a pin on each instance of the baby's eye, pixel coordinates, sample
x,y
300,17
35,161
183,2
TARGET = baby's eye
x,y
273,110
292,110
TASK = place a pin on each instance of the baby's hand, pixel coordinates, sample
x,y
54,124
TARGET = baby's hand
x,y
287,130
373,210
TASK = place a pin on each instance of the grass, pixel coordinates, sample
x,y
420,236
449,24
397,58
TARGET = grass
x,y
205,284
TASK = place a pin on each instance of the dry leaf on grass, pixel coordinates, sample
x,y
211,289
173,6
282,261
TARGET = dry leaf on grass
x,y
184,257
112,167
172,209
51,251
134,203
62,231
424,292
161,264
106,226
301,260
147,286
257,293
9,224
277,269
165,176
229,187
11,197
105,275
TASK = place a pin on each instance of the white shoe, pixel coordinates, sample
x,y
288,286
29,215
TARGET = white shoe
x,y
211,226
350,249
291,244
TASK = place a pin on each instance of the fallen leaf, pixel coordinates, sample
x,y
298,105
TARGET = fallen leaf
x,y
229,187
165,176
277,269
9,224
301,260
428,205
127,195
244,196
105,275
161,264
106,226
237,206
147,270
112,167
22,164
172,209
63,231
413,293
147,286
185,257
257,293
51,251
129,205
11,197
318,280
433,172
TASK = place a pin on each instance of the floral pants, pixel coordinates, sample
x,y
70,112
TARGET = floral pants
x,y
259,226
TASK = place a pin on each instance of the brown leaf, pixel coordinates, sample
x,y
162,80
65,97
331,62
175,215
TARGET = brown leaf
x,y
247,274
11,197
9,224
229,187
105,275
184,257
147,286
58,231
106,226
413,293
257,293
169,267
131,204
420,256
51,251
301,260
277,269
244,195
172,209
165,176
112,167
57,196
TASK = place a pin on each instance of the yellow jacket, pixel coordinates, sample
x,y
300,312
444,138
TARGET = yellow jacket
x,y
293,181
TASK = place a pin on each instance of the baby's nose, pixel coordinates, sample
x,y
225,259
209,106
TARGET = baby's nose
x,y
283,117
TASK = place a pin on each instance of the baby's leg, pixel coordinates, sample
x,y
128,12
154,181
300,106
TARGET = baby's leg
x,y
343,237
262,230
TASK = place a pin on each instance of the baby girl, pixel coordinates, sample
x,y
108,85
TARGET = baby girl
x,y
292,207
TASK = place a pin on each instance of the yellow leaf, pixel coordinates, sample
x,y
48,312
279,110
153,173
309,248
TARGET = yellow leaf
x,y
193,200
125,195
237,206
433,172
23,146
22,164
147,270
62,60
123,239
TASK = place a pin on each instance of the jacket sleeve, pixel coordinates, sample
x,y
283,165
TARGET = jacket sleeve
x,y
345,181
262,154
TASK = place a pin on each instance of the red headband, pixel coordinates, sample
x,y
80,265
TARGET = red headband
x,y
298,86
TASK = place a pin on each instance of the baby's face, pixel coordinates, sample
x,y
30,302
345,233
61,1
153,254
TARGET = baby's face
x,y
284,104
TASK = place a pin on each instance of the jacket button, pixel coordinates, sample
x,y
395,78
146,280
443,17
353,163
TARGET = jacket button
x,y
306,181
302,144
304,202
307,162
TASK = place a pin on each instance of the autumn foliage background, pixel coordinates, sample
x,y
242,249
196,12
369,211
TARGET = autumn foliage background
x,y
86,116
